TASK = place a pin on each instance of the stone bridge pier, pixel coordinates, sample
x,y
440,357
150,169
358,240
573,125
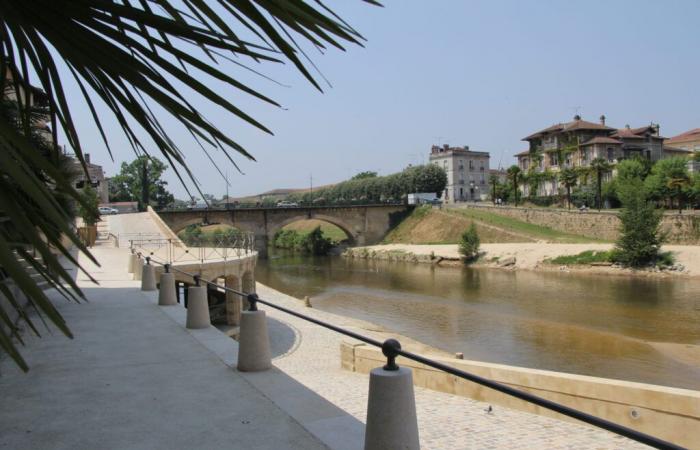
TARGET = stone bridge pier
x,y
364,224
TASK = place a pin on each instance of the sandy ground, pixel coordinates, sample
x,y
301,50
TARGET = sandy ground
x,y
531,255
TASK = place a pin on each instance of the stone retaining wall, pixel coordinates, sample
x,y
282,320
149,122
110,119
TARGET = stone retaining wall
x,y
681,229
669,413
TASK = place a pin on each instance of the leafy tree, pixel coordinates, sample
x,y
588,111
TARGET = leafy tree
x,y
88,209
364,175
514,175
469,244
678,185
128,56
493,181
568,178
658,183
640,239
128,185
600,167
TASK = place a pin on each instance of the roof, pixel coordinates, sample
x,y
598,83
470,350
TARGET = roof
x,y
636,133
576,124
602,140
692,135
525,153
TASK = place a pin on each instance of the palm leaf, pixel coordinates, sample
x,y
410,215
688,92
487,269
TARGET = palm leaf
x,y
126,55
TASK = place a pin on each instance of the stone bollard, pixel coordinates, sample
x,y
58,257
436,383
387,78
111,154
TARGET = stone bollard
x,y
197,306
148,276
391,406
130,269
166,294
459,355
253,341
138,267
307,302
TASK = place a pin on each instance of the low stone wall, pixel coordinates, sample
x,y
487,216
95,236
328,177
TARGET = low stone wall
x,y
681,229
163,227
669,413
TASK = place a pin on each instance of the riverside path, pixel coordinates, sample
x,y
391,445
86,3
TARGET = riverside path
x,y
134,377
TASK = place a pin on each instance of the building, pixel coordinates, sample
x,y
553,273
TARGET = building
x,y
467,172
97,179
688,141
579,142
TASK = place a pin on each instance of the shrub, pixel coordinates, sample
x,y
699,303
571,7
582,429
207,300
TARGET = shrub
x,y
89,211
640,238
469,245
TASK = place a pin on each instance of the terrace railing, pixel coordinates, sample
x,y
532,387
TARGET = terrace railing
x,y
195,249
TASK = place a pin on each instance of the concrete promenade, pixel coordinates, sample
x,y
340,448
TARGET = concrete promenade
x,y
134,377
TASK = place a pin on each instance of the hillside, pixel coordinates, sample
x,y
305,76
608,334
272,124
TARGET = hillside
x,y
428,225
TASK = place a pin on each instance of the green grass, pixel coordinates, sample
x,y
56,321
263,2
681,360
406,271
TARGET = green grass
x,y
587,257
329,230
535,231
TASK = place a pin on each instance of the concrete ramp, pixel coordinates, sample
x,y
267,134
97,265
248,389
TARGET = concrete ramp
x,y
135,226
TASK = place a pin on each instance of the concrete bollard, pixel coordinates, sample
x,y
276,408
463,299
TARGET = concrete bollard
x,y
253,342
166,294
130,268
138,267
307,302
391,406
197,307
148,276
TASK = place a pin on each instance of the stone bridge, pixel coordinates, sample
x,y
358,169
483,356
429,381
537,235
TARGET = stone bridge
x,y
364,225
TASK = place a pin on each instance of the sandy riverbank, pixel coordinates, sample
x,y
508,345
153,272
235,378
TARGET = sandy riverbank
x,y
531,256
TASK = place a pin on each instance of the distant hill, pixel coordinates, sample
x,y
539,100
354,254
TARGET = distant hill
x,y
274,194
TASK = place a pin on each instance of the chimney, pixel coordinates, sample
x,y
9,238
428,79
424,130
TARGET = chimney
x,y
466,147
446,147
627,126
577,117
87,158
602,119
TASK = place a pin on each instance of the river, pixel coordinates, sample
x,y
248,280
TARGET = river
x,y
636,329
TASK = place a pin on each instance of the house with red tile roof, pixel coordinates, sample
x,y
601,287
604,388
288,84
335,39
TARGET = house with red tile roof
x,y
577,143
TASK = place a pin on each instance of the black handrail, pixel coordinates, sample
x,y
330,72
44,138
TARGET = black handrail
x,y
392,348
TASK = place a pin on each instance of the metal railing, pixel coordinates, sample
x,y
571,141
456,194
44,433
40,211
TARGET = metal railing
x,y
196,250
391,348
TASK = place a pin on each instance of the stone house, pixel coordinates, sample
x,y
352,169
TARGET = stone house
x,y
467,172
96,179
579,142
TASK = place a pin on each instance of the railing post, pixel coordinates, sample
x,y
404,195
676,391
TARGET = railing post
x,y
166,294
197,306
391,405
253,342
148,276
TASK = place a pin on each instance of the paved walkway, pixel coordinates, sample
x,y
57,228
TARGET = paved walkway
x,y
134,377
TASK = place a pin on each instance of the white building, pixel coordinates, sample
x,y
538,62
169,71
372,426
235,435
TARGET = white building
x,y
467,172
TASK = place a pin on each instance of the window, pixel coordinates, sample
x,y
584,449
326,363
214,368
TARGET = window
x,y
471,164
611,155
648,152
554,159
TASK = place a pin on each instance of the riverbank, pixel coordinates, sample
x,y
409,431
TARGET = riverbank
x,y
526,256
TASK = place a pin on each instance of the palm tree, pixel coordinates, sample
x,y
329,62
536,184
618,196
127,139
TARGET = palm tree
x,y
513,174
569,178
142,61
493,179
679,183
600,166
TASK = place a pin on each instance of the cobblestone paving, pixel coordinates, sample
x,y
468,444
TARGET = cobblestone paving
x,y
445,421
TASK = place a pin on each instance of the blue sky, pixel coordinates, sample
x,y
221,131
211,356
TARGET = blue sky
x,y
477,73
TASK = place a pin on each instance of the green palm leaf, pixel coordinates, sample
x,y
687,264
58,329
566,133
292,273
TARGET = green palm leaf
x,y
129,57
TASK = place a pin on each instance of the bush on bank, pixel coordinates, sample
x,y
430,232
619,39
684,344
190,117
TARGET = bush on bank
x,y
313,243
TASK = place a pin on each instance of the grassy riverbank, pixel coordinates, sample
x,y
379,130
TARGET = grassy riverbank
x,y
427,225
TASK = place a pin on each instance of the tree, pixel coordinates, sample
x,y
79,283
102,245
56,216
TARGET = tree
x,y
469,244
659,183
640,240
140,180
569,178
493,180
513,175
145,62
364,175
88,210
678,184
600,166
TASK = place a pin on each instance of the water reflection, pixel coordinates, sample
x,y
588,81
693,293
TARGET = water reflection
x,y
603,326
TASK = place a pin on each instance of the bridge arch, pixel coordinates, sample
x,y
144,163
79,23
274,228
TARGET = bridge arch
x,y
225,220
352,236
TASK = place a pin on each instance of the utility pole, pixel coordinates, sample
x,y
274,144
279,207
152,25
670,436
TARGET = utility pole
x,y
311,185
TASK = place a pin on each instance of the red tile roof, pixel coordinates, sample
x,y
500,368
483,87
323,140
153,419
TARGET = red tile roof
x,y
692,135
525,153
576,124
676,150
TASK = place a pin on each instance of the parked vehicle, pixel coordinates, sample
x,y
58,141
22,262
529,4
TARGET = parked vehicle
x,y
419,198
286,204
106,210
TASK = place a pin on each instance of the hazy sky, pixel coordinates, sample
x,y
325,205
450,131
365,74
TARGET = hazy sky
x,y
477,73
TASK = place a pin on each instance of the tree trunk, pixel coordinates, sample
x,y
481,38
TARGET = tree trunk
x,y
568,196
600,195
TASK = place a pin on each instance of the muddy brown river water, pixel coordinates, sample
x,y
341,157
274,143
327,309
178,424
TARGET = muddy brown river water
x,y
636,329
